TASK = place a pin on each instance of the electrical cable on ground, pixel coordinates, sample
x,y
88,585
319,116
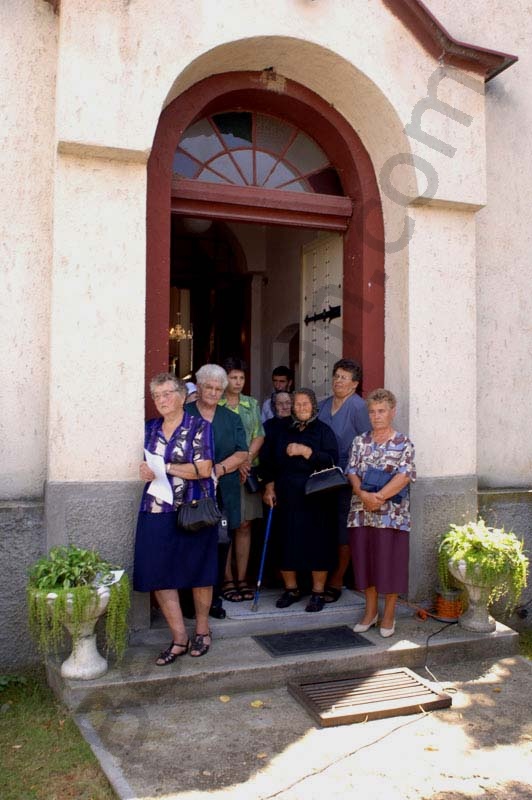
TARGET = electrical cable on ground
x,y
345,756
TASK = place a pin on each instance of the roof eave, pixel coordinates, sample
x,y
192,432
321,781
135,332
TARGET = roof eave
x,y
431,34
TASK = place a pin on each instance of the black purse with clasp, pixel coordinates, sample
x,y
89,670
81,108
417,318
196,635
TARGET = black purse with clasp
x,y
326,480
202,512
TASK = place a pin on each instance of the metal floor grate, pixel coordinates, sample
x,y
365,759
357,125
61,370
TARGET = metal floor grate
x,y
376,695
314,640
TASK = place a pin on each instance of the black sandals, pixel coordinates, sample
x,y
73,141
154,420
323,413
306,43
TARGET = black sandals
x,y
167,657
199,647
288,597
316,602
332,594
231,592
245,590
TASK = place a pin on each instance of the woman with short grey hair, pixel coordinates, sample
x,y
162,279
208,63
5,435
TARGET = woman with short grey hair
x,y
167,557
212,372
230,452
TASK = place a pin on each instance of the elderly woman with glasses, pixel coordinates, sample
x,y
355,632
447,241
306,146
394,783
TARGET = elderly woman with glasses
x,y
167,557
346,413
300,445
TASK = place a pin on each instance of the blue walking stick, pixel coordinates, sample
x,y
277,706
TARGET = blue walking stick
x,y
255,604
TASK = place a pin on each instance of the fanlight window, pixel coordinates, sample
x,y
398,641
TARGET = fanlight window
x,y
243,148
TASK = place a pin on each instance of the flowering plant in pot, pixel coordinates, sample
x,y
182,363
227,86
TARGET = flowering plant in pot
x,y
71,588
489,563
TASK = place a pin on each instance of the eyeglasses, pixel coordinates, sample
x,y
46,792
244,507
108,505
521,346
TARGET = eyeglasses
x,y
343,378
163,395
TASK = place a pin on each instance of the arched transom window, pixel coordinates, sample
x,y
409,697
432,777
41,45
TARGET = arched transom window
x,y
244,148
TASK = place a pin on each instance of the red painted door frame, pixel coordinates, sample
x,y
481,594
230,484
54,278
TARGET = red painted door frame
x,y
359,213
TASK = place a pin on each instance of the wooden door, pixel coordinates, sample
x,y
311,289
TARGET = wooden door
x,y
321,311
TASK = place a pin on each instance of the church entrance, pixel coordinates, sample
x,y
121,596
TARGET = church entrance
x,y
253,198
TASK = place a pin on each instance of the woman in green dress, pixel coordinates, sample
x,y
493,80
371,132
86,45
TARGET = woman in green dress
x,y
230,453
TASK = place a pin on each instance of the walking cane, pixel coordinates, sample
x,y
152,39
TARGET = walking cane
x,y
255,604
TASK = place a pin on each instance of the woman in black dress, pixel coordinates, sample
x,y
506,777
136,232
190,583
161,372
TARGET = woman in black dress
x,y
300,445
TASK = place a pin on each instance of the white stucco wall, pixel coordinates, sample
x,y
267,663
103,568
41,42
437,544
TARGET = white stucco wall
x,y
442,342
504,241
97,320
119,64
27,87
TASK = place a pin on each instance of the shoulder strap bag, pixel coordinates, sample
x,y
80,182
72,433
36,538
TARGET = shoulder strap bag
x,y
199,513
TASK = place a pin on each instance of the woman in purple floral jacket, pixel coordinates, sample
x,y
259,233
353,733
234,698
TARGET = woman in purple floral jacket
x,y
381,465
167,557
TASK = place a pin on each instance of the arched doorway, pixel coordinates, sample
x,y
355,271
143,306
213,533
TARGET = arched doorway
x,y
209,289
357,214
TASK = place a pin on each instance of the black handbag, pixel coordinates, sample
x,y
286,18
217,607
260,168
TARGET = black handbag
x,y
375,479
253,481
198,513
326,480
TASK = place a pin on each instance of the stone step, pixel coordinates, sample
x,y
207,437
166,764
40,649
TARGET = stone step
x,y
237,663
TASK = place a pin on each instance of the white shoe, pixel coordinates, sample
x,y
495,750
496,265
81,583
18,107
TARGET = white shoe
x,y
386,632
359,628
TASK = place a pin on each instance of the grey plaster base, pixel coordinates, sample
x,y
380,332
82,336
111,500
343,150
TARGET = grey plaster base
x,y
21,543
511,509
102,516
435,503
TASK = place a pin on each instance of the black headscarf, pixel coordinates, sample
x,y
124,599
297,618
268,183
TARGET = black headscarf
x,y
297,423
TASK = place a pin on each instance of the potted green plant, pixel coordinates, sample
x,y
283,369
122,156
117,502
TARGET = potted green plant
x,y
71,588
489,563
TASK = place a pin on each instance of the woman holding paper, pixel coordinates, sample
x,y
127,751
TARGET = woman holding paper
x,y
381,466
167,558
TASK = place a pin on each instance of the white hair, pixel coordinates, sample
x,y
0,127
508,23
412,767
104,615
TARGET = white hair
x,y
212,372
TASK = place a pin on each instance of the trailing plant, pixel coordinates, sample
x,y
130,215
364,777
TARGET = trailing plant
x,y
64,584
492,555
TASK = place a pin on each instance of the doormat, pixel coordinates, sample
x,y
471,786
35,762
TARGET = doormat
x,y
295,643
376,695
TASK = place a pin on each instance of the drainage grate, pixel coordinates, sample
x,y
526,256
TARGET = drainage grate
x,y
387,693
295,643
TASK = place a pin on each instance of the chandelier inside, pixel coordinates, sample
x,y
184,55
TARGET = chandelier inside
x,y
178,333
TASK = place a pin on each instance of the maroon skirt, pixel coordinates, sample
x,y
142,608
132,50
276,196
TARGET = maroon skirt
x,y
380,559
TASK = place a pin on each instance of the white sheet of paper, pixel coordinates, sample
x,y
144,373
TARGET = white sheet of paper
x,y
160,486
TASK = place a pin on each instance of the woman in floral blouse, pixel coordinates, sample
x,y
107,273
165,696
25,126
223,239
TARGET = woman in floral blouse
x,y
167,557
381,465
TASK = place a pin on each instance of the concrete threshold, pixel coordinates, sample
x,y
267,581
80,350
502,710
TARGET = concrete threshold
x,y
237,663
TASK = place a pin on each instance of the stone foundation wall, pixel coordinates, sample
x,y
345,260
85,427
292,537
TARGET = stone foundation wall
x,y
435,503
512,509
22,541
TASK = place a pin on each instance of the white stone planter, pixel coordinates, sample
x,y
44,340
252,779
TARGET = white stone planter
x,y
85,662
477,617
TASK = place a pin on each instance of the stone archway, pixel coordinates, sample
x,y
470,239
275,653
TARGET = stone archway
x,y
363,292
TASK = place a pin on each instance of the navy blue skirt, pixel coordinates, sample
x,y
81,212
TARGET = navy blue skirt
x,y
167,557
